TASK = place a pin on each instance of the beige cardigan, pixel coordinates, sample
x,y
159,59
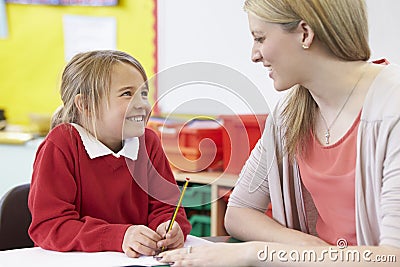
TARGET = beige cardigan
x,y
377,192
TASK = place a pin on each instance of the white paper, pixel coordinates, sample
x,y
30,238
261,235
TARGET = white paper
x,y
38,257
195,241
85,33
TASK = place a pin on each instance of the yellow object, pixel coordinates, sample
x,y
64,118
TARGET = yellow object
x,y
171,222
178,205
32,57
40,123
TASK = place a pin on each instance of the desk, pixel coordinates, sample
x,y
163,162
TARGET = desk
x,y
218,181
37,257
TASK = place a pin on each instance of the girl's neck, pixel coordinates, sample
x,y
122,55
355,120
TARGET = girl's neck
x,y
113,145
110,142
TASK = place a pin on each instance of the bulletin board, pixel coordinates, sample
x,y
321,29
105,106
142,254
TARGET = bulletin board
x,y
32,56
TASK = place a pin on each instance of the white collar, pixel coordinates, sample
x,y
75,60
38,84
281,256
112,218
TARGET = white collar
x,y
96,149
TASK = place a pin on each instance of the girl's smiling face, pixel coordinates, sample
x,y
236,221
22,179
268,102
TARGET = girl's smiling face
x,y
124,114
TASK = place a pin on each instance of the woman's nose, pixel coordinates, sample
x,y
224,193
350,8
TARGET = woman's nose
x,y
256,56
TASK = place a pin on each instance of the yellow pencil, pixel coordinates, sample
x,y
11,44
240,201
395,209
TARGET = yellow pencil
x,y
171,222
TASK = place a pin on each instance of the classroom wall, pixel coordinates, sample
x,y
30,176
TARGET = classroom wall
x,y
216,42
217,32
32,57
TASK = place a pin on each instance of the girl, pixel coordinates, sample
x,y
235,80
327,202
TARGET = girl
x,y
101,181
329,158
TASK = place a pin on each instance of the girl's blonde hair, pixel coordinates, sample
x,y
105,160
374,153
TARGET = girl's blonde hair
x,y
341,25
89,74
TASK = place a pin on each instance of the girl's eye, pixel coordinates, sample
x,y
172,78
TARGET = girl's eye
x,y
145,93
127,93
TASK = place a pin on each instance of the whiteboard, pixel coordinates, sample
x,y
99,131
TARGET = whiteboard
x,y
384,29
210,39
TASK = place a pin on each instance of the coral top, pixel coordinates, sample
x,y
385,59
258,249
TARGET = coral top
x,y
328,173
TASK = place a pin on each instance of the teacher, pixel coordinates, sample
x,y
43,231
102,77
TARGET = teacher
x,y
329,158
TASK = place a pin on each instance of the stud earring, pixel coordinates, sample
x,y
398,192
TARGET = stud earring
x,y
305,46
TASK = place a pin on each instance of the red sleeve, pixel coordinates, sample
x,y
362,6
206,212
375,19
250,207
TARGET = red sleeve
x,y
56,223
162,187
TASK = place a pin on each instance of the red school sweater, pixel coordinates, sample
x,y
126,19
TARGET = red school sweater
x,y
83,204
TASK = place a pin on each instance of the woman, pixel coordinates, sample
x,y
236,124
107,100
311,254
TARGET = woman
x,y
329,158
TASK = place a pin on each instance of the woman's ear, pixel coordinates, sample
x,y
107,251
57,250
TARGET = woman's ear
x,y
78,103
307,34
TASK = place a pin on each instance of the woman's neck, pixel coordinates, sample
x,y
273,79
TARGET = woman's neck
x,y
332,83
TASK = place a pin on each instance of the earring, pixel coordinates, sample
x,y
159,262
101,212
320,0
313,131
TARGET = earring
x,y
305,46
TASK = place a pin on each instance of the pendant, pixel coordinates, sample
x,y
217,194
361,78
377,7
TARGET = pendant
x,y
327,135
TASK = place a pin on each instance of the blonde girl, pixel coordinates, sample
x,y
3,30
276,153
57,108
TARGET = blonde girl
x,y
101,181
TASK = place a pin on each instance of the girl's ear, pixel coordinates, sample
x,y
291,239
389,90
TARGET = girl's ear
x,y
78,103
307,34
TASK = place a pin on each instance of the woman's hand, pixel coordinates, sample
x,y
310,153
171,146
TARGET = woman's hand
x,y
140,240
304,239
218,254
173,239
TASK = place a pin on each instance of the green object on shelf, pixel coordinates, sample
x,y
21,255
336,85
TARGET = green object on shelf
x,y
197,198
201,225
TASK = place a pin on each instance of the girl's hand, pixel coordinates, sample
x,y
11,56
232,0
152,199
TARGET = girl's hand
x,y
218,254
140,240
173,239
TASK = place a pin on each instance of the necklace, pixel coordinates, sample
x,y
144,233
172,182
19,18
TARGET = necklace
x,y
328,128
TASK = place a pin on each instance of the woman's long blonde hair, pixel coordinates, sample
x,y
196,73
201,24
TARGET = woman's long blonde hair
x,y
341,25
89,74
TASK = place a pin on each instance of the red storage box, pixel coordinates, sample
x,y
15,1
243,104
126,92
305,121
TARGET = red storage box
x,y
239,138
194,146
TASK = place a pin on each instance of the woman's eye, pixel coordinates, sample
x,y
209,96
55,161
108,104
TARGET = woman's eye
x,y
258,40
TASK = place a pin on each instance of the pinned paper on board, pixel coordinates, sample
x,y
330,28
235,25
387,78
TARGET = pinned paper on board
x,y
3,20
86,33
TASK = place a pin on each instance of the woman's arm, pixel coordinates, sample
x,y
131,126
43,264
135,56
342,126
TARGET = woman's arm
x,y
247,224
245,217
